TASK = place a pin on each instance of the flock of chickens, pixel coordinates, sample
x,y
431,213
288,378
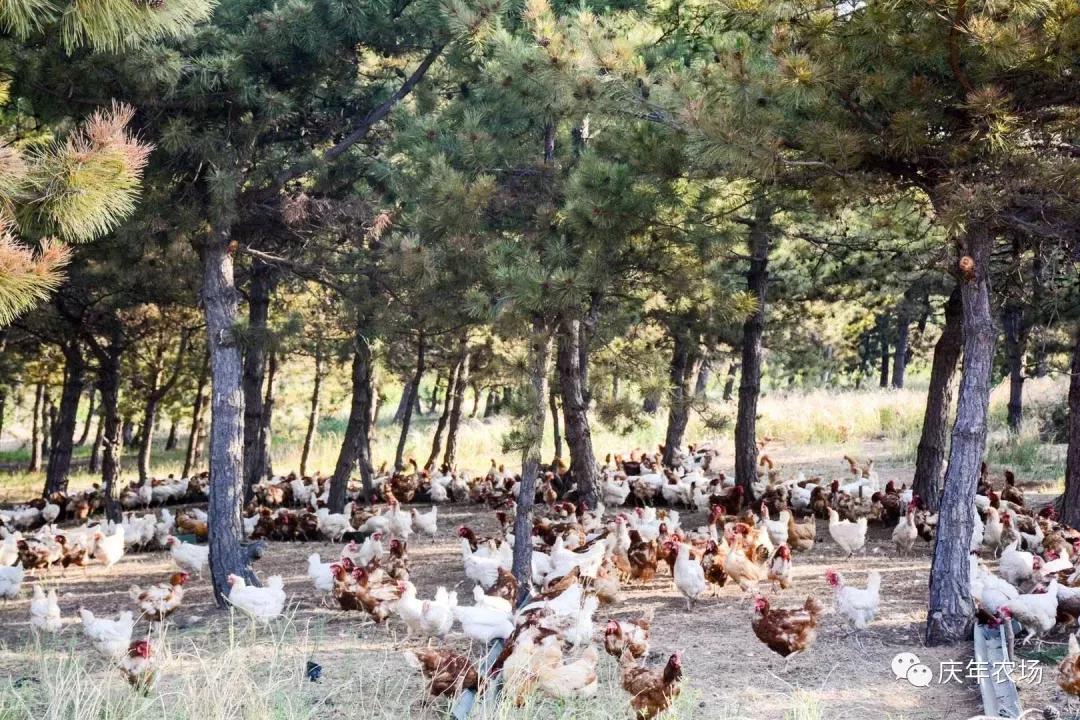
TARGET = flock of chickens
x,y
581,560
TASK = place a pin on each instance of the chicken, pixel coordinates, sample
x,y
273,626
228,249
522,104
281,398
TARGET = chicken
x,y
561,680
377,593
857,605
712,563
992,531
801,535
484,570
157,602
1036,612
786,632
850,536
362,555
108,549
188,557
689,575
777,529
506,586
446,672
1069,669
427,618
1018,566
1012,493
744,564
334,525
400,523
111,637
905,533
11,579
628,635
642,557
484,622
651,691
521,665
140,665
44,611
320,573
427,523
260,603
780,567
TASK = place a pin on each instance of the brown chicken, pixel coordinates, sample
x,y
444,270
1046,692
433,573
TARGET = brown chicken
x,y
158,602
712,562
140,665
76,555
377,593
651,691
628,636
1069,669
786,632
346,587
505,587
642,557
1011,493
801,535
190,526
446,672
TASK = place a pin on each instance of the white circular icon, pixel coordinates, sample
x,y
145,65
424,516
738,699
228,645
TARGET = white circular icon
x,y
920,675
902,664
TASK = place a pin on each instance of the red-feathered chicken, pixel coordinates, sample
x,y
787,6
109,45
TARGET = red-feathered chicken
x,y
651,691
628,636
786,632
158,602
446,672
642,557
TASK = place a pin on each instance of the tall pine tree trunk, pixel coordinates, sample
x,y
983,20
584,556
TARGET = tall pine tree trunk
x,y
556,429
490,404
757,284
433,401
255,362
220,299
935,428
112,439
900,352
685,359
403,402
313,412
950,607
701,384
266,435
173,439
99,438
1070,500
457,405
883,339
64,434
729,382
533,431
1016,338
146,436
414,393
576,411
197,417
356,445
85,435
477,393
36,433
444,417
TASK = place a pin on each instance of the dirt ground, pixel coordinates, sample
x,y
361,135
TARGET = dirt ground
x,y
734,675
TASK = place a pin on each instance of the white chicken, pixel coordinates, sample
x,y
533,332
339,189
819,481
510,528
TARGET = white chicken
x,y
614,491
334,525
44,611
260,603
777,529
987,588
319,572
857,605
484,570
9,550
374,524
1018,566
438,492
400,521
563,560
108,549
992,530
361,555
689,575
188,557
484,623
427,618
905,533
850,536
1036,612
111,637
11,579
563,681
426,523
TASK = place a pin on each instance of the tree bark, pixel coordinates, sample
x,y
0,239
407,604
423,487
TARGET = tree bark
x,y
173,438
900,352
266,435
36,430
490,404
951,608
112,440
356,445
533,430
729,382
477,393
197,418
757,283
414,393
685,360
127,432
146,437
56,476
444,417
556,430
155,394
255,363
3,410
313,412
935,427
403,402
48,422
457,405
701,384
89,417
1016,339
883,339
99,439
433,400
1070,501
575,412
220,301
